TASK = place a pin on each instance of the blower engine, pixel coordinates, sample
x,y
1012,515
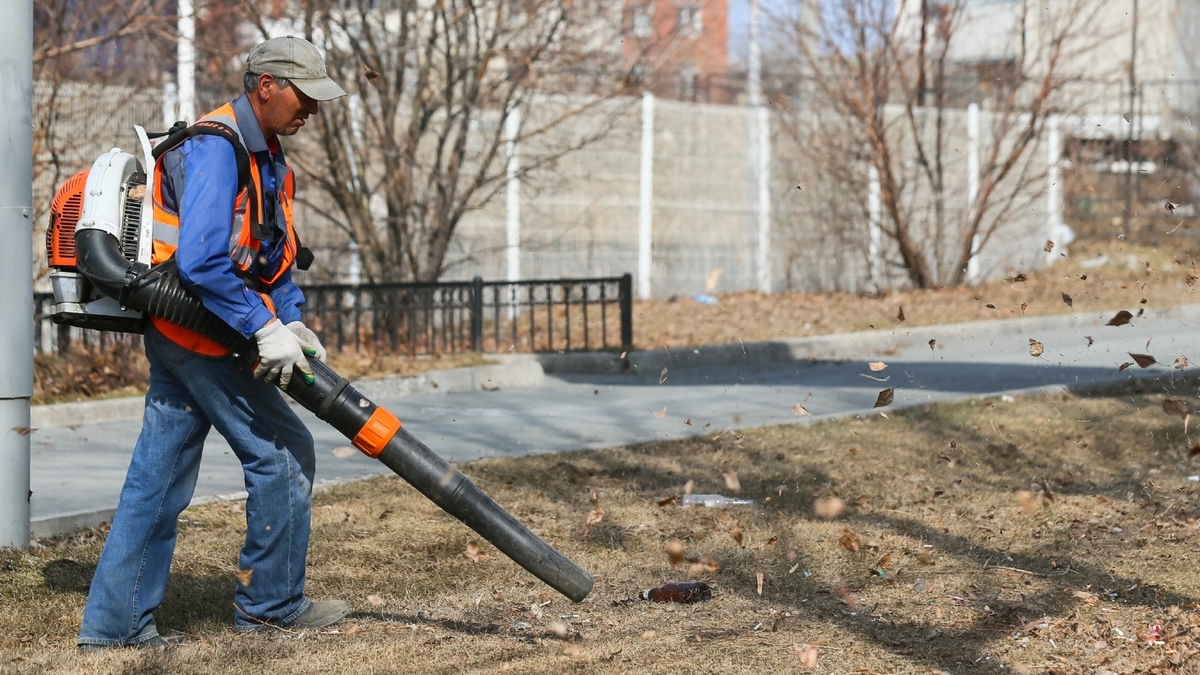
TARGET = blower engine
x,y
108,197
99,244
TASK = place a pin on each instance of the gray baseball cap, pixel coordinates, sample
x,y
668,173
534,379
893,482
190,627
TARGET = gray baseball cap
x,y
297,60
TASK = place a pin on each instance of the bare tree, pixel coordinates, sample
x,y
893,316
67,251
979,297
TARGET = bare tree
x,y
886,91
80,44
422,140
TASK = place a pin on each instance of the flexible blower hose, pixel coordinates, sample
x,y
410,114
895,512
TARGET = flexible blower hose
x,y
374,430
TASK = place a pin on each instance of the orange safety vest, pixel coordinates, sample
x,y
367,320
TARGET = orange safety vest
x,y
245,230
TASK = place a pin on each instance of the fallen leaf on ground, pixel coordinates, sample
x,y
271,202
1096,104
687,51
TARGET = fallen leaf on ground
x,y
760,583
925,558
850,540
736,533
558,628
846,597
375,600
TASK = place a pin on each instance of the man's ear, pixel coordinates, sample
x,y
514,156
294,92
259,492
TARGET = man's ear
x,y
264,86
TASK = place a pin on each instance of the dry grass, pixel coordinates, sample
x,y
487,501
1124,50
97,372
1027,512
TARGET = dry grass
x,y
1096,276
1045,534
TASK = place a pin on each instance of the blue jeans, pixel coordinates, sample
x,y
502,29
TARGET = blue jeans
x,y
188,395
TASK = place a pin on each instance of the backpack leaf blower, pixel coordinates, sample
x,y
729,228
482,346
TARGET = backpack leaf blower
x,y
98,244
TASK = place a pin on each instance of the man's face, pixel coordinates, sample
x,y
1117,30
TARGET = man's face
x,y
286,109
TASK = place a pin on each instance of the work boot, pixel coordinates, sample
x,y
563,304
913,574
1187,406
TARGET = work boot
x,y
320,614
158,643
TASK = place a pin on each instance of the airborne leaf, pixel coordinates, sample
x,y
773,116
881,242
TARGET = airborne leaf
x,y
1143,360
662,377
243,576
659,414
760,583
675,552
829,507
876,366
1067,299
472,552
731,480
1175,406
900,314
1123,366
1035,348
800,410
1120,318
885,398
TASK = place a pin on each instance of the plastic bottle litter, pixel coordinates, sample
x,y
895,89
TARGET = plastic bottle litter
x,y
705,299
686,592
714,501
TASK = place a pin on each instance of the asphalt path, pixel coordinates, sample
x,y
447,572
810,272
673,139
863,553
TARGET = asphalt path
x,y
77,470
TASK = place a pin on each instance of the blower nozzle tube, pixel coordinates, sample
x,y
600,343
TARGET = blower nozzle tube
x,y
372,429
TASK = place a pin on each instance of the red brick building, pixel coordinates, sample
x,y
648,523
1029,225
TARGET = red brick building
x,y
681,47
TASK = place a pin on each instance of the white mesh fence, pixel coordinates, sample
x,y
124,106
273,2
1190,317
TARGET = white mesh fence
x,y
579,214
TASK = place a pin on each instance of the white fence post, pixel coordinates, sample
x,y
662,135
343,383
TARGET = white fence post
x,y
186,68
646,200
874,233
512,203
169,105
763,178
973,270
1054,188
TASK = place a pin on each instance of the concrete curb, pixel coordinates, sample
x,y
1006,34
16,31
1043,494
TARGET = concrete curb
x,y
832,347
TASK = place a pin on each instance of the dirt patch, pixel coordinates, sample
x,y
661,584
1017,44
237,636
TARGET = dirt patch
x,y
1041,534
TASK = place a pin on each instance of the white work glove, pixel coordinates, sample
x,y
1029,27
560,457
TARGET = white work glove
x,y
279,351
308,339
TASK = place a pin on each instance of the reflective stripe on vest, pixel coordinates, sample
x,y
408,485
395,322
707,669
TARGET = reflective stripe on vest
x,y
243,244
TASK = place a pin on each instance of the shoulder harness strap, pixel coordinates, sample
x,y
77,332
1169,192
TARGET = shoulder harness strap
x,y
180,132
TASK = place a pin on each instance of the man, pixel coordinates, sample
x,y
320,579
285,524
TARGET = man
x,y
228,225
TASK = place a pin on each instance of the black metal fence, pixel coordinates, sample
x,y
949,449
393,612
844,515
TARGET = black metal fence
x,y
437,318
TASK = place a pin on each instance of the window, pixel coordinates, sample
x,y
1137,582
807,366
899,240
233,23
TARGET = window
x,y
691,21
689,79
643,21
